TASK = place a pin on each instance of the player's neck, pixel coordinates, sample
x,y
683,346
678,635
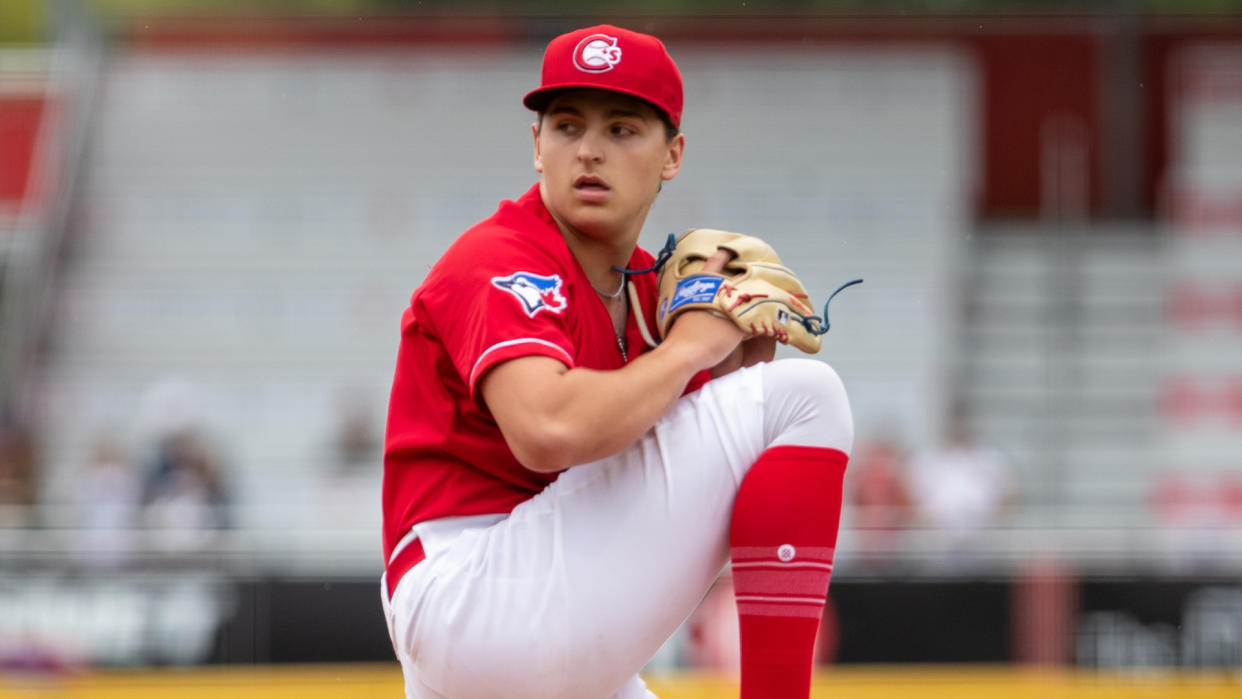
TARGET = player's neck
x,y
597,256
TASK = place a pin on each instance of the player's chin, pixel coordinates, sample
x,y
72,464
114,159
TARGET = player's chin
x,y
590,218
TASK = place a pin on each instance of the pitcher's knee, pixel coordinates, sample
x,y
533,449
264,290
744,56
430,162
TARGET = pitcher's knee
x,y
817,380
806,403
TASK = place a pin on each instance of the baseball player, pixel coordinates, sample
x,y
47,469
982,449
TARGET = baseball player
x,y
561,488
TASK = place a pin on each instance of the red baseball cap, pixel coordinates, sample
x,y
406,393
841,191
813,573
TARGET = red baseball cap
x,y
605,57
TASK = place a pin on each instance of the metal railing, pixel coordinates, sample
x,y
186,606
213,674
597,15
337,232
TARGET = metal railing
x,y
1109,543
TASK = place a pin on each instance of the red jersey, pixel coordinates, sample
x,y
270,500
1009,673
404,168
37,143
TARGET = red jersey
x,y
508,287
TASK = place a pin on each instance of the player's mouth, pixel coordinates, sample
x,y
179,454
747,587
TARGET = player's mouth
x,y
591,188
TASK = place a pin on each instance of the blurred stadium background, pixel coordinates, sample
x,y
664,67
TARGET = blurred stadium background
x,y
212,214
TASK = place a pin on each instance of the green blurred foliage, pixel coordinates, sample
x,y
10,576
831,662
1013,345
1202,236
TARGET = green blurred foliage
x,y
115,8
656,7
22,21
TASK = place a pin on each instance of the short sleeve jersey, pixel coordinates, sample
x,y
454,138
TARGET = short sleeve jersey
x,y
508,287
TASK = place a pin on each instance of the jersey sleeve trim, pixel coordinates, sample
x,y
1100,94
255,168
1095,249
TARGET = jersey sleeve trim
x,y
485,360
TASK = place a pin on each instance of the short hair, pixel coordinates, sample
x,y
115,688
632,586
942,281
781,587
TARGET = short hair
x,y
670,129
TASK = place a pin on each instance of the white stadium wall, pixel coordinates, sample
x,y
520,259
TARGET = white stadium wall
x,y
252,227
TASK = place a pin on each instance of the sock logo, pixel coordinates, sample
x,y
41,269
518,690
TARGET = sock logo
x,y
786,553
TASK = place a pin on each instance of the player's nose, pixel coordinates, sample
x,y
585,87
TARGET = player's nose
x,y
591,146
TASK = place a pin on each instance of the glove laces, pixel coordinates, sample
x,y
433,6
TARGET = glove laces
x,y
818,325
666,252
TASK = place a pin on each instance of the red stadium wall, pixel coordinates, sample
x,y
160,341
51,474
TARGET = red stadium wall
x,y
20,116
1033,87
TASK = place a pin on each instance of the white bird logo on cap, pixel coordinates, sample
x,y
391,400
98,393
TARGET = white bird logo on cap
x,y
597,53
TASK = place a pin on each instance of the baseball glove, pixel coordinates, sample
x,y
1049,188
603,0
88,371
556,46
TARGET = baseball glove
x,y
755,291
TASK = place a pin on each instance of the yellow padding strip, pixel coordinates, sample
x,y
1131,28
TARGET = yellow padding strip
x,y
366,681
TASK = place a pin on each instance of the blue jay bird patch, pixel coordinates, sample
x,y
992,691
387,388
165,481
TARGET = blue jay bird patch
x,y
536,292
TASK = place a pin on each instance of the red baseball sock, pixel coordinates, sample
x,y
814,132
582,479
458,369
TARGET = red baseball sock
x,y
783,536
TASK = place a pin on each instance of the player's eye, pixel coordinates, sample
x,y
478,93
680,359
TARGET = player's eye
x,y
623,130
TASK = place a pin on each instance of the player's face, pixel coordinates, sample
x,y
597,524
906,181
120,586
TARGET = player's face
x,y
602,157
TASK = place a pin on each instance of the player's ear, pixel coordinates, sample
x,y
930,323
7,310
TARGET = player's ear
x,y
672,157
534,132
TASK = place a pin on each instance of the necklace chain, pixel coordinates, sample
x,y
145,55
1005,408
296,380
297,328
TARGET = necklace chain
x,y
621,343
614,294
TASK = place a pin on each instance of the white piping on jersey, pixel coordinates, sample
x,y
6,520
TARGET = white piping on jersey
x,y
435,532
405,541
510,343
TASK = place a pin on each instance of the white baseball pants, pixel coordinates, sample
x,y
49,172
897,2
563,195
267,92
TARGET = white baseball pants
x,y
572,593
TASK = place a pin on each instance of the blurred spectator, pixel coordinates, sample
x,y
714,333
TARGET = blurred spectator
x,y
184,490
18,485
959,490
357,439
876,490
107,506
183,494
347,495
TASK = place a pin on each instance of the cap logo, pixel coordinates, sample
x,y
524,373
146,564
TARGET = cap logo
x,y
597,53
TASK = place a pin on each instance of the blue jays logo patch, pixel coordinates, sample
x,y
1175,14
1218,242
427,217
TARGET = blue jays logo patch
x,y
536,292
